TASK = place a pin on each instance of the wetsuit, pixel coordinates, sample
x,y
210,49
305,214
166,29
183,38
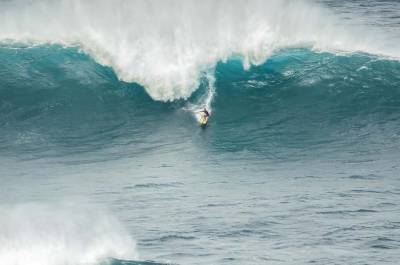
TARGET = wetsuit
x,y
206,113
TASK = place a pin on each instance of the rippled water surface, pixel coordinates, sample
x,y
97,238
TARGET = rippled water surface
x,y
298,165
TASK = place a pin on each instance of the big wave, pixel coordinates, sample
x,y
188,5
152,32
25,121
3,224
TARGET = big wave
x,y
166,45
55,101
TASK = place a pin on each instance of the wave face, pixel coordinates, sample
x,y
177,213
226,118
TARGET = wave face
x,y
56,101
165,45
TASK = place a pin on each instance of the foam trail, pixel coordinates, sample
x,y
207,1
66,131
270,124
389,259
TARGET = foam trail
x,y
165,45
206,100
60,234
209,97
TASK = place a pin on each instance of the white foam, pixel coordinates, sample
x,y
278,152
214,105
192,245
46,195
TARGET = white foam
x,y
60,234
165,44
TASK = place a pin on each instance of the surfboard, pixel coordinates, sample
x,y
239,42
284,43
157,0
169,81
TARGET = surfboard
x,y
203,121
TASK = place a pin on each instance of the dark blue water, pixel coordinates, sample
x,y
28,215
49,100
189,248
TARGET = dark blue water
x,y
298,165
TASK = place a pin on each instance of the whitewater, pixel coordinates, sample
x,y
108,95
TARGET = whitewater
x,y
166,45
102,161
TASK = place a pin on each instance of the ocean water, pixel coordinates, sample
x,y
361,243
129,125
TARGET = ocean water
x,y
102,160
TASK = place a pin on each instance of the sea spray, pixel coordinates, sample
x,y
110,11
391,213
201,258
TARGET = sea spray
x,y
166,45
60,234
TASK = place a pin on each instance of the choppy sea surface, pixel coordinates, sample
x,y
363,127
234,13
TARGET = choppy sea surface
x,y
102,160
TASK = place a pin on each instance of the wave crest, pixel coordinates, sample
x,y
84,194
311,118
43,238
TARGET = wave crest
x,y
166,45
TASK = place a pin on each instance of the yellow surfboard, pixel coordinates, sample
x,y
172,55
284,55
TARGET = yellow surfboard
x,y
203,120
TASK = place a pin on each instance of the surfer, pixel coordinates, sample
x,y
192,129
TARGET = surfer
x,y
204,114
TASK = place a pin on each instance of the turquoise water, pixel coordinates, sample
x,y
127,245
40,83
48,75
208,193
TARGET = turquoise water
x,y
298,165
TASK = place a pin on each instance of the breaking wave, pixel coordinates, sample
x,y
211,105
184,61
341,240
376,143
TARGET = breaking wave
x,y
61,234
165,46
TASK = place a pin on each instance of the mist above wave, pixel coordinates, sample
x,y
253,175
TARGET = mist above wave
x,y
166,45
